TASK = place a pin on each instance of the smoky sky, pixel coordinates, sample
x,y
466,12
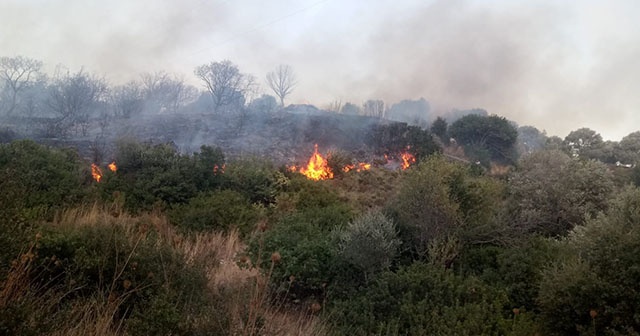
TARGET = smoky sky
x,y
556,65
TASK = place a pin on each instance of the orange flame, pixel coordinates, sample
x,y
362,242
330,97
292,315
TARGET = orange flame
x,y
112,166
96,172
217,169
407,159
359,167
317,168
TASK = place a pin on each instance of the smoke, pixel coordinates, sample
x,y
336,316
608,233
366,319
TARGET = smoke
x,y
556,65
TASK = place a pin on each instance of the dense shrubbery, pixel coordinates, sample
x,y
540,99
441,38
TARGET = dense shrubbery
x,y
440,248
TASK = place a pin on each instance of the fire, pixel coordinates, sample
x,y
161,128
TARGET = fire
x,y
112,166
407,159
359,167
317,168
96,172
217,169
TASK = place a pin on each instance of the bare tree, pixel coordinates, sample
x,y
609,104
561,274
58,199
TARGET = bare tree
x,y
282,81
73,98
374,108
225,83
17,73
166,93
127,100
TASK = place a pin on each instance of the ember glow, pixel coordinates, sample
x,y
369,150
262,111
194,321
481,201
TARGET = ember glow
x,y
112,166
96,173
317,168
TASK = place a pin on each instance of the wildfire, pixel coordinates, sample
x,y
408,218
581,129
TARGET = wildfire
x,y
112,166
359,167
317,168
96,172
407,159
217,169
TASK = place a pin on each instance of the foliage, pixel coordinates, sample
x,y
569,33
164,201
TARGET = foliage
x,y
220,210
423,299
551,193
594,282
150,175
41,179
440,128
255,178
369,243
482,136
398,137
440,206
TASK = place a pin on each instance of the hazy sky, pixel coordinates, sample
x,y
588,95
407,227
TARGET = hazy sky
x,y
554,64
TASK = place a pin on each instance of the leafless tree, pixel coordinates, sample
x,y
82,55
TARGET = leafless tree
x,y
374,108
166,93
226,84
282,81
73,98
127,100
17,73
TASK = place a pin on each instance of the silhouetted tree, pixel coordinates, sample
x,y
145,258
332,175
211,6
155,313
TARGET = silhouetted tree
x,y
225,83
282,81
440,128
373,108
16,74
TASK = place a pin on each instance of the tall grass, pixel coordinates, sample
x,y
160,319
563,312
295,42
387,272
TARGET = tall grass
x,y
239,293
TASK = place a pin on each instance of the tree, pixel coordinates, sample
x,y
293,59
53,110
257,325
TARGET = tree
x,y
350,108
411,111
282,81
551,193
127,100
17,73
594,284
225,83
439,128
583,142
373,108
165,93
485,138
530,139
628,150
73,98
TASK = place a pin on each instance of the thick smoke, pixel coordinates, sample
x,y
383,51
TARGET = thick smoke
x,y
552,64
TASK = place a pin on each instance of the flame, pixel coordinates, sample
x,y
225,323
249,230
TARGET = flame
x,y
96,172
317,168
359,167
112,166
407,159
217,169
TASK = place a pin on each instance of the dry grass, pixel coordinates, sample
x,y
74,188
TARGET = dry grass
x,y
244,290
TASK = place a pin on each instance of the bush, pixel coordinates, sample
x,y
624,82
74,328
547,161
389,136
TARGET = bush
x,y
256,179
221,210
151,175
594,283
121,262
422,299
369,242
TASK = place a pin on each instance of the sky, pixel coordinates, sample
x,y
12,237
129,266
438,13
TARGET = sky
x,y
558,65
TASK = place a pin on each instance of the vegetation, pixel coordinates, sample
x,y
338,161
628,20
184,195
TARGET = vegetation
x,y
194,244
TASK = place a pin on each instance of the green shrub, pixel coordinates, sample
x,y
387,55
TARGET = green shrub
x,y
369,242
151,175
257,179
594,281
219,210
150,281
422,299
